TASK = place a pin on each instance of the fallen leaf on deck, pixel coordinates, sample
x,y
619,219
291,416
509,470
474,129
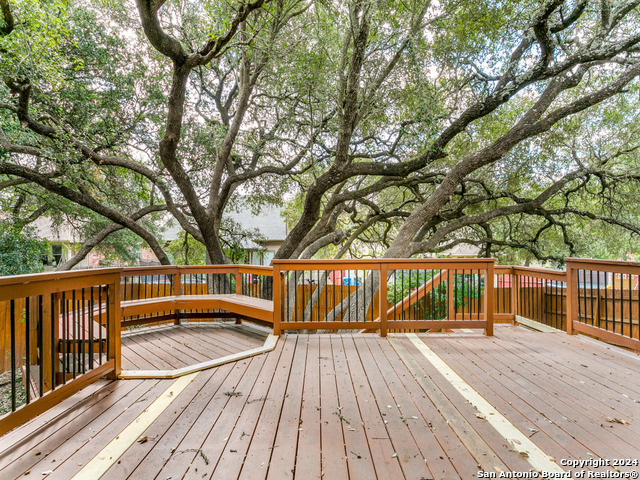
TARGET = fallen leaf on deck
x,y
617,420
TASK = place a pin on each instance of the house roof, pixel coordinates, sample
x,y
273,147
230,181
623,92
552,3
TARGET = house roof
x,y
269,223
55,233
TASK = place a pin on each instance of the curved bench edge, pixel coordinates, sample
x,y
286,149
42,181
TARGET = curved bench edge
x,y
269,344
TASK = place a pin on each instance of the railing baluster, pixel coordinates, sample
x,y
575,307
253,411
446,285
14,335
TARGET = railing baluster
x,y
54,324
27,340
65,329
40,347
630,313
91,333
12,315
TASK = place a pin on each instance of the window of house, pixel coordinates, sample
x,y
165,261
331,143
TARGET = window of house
x,y
255,257
57,254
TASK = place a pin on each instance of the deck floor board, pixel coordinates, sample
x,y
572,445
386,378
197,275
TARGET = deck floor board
x,y
350,406
60,441
258,456
568,404
525,416
562,411
169,347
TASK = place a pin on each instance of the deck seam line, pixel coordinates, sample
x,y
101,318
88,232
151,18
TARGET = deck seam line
x,y
110,454
519,441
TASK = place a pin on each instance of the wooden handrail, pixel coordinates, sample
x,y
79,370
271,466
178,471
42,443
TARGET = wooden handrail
x,y
392,263
187,269
558,275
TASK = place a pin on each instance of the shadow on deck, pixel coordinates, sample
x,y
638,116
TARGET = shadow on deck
x,y
352,406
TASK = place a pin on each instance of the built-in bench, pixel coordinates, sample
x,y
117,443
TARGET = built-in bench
x,y
241,305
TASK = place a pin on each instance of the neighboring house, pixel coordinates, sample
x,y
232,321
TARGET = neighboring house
x,y
269,225
64,244
461,250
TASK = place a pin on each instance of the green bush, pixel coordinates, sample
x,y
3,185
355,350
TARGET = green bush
x,y
21,252
467,289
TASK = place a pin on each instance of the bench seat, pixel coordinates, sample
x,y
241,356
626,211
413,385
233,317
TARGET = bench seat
x,y
242,305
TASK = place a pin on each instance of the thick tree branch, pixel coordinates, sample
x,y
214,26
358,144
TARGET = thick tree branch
x,y
88,202
92,242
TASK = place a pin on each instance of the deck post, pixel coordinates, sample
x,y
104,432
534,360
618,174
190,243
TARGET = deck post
x,y
382,299
572,296
451,301
489,303
277,284
114,327
239,289
238,281
176,290
515,281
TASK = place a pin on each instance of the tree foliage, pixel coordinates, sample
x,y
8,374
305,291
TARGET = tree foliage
x,y
21,252
387,128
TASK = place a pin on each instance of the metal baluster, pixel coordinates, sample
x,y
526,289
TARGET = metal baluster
x,y
91,307
108,315
12,312
53,320
65,320
27,343
593,318
630,314
613,300
75,332
40,346
583,276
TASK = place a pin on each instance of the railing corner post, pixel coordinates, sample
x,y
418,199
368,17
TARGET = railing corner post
x,y
277,304
238,281
114,328
176,290
489,299
239,290
383,299
572,296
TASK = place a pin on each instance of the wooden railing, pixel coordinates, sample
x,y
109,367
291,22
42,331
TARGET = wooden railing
x,y
604,301
383,294
595,297
60,332
153,282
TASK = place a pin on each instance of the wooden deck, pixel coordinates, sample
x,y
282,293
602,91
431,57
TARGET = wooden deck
x,y
351,407
170,347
